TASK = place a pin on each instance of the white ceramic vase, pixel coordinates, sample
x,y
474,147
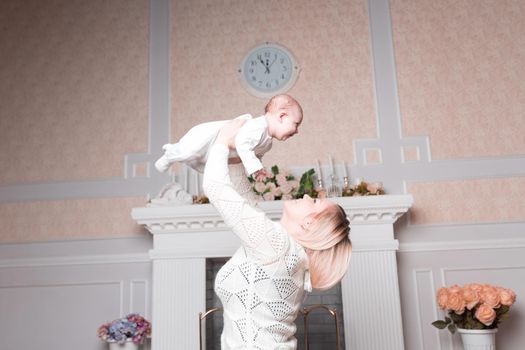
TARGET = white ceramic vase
x,y
128,345
478,339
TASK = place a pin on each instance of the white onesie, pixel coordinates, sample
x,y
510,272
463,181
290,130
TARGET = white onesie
x,y
252,141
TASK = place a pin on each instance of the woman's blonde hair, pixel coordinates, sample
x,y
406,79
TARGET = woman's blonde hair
x,y
328,247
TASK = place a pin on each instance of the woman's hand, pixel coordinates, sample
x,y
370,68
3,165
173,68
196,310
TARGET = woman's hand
x,y
228,132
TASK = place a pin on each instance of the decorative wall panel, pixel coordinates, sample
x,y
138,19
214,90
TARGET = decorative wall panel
x,y
330,39
459,66
74,86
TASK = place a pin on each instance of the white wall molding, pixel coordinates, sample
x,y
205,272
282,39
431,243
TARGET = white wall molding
x,y
98,279
76,252
423,271
76,260
463,245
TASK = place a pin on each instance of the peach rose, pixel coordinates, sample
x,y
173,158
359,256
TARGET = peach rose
x,y
455,289
471,297
372,188
260,187
442,297
490,296
276,191
268,196
485,314
295,184
286,188
456,302
507,297
475,286
281,179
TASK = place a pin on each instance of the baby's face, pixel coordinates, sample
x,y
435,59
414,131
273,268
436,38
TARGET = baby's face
x,y
288,125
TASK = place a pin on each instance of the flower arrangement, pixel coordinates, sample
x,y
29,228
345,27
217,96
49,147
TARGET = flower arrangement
x,y
363,189
133,326
283,185
473,306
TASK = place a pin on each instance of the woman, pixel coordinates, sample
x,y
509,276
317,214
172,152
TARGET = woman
x,y
262,286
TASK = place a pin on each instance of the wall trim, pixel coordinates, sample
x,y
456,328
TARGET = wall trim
x,y
76,260
491,244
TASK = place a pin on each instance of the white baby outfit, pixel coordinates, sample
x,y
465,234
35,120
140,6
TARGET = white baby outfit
x,y
263,285
252,141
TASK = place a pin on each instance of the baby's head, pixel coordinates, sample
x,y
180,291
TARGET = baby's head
x,y
284,115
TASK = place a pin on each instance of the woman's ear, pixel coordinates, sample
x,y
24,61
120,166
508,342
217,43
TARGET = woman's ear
x,y
307,221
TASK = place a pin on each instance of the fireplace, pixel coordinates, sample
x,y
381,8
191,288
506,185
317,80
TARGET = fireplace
x,y
184,236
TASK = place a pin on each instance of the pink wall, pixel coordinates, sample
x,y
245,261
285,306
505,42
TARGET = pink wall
x,y
74,84
74,87
460,73
330,40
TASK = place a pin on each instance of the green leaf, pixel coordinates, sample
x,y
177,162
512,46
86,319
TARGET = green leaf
x,y
275,170
452,328
440,324
502,311
455,317
448,320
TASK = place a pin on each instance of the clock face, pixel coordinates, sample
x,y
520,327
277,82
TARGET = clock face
x,y
268,69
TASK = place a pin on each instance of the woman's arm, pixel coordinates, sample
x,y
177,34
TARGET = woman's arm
x,y
257,232
241,184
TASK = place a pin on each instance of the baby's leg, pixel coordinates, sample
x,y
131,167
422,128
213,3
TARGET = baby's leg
x,y
191,146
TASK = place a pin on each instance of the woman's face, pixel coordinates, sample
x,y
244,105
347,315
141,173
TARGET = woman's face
x,y
297,210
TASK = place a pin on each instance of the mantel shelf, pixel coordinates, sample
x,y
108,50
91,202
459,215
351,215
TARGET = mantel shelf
x,y
366,210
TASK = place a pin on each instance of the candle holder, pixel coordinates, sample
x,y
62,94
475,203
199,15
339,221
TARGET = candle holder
x,y
321,191
347,189
334,190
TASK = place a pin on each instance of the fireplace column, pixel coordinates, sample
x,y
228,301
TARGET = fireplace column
x,y
179,294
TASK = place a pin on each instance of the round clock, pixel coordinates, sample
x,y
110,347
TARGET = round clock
x,y
268,69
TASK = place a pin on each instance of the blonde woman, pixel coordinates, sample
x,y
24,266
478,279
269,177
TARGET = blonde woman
x,y
263,285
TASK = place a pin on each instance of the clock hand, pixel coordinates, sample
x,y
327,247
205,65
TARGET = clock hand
x,y
275,59
267,67
266,70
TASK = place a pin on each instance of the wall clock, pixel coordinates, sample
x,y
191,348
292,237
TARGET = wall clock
x,y
268,69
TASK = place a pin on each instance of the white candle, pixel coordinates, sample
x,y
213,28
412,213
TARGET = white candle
x,y
330,161
196,179
186,179
345,174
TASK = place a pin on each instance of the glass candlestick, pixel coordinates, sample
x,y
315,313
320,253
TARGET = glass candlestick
x,y
321,192
333,189
347,189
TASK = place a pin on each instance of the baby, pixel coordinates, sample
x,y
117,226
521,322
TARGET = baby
x,y
281,120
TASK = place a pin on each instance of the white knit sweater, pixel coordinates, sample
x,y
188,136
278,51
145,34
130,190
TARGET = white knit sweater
x,y
262,286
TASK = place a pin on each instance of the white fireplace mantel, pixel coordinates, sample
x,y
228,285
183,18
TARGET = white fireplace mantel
x,y
185,235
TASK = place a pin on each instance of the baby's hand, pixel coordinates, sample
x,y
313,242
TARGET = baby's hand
x,y
261,175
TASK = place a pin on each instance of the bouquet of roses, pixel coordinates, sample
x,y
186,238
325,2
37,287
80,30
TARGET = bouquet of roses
x,y
282,185
473,306
133,326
